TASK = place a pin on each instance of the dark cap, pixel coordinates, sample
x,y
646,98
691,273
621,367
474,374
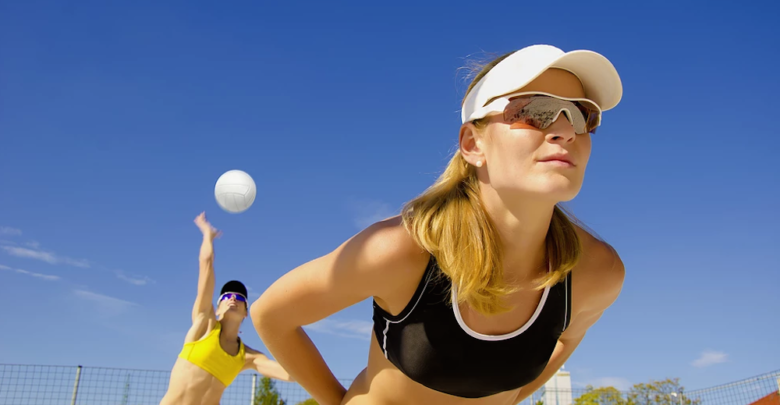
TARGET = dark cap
x,y
235,287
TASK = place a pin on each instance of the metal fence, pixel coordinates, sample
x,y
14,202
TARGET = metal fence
x,y
759,390
77,385
69,385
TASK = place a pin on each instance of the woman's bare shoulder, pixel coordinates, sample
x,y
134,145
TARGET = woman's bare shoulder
x,y
394,251
600,273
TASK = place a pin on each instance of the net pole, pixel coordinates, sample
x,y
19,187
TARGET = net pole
x,y
254,388
76,386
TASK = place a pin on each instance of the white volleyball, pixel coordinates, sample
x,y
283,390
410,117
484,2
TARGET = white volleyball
x,y
235,191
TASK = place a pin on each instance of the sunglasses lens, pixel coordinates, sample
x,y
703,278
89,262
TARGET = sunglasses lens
x,y
237,297
593,122
542,111
592,116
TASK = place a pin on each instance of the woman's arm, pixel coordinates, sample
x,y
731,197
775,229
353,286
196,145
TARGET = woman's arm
x,y
596,286
265,366
203,306
563,350
372,263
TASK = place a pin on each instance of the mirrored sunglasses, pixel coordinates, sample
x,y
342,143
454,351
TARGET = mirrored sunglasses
x,y
541,111
236,296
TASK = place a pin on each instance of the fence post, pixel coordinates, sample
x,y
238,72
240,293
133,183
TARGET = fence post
x,y
254,388
76,386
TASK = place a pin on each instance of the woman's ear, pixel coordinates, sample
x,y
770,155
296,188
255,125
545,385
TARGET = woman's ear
x,y
470,143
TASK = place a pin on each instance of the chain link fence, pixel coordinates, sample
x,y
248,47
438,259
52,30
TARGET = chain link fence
x,y
69,385
760,390
55,385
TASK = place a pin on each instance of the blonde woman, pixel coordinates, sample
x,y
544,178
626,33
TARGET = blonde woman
x,y
482,287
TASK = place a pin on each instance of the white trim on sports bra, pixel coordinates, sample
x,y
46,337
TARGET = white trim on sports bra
x,y
505,336
388,322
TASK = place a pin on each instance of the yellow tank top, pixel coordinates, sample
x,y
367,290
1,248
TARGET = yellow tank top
x,y
207,354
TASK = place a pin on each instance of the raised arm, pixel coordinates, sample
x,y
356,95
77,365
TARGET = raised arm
x,y
204,306
368,265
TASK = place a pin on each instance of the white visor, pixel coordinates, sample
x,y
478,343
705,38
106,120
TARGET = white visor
x,y
599,78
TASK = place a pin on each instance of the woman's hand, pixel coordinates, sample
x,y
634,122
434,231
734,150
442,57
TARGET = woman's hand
x,y
206,228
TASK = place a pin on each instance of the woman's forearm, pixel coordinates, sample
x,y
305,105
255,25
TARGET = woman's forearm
x,y
294,350
207,249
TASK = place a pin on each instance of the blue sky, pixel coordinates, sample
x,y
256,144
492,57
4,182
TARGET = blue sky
x,y
117,119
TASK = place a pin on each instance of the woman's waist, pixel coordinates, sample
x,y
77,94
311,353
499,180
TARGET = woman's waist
x,y
190,384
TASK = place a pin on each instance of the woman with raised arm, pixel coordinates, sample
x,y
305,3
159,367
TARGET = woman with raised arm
x,y
213,354
483,286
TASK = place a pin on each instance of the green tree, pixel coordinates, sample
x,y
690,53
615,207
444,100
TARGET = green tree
x,y
601,396
310,401
662,392
267,394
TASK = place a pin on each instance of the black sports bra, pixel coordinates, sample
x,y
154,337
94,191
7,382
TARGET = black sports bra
x,y
429,342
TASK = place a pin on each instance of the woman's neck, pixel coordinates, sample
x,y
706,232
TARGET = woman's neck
x,y
522,224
